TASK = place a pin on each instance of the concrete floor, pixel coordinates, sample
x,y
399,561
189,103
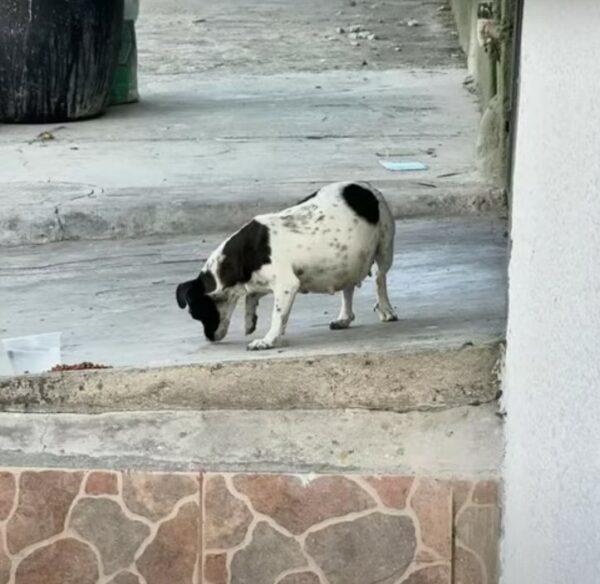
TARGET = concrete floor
x,y
246,112
245,107
280,36
114,302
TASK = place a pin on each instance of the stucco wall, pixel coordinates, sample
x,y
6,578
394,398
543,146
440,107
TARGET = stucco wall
x,y
552,472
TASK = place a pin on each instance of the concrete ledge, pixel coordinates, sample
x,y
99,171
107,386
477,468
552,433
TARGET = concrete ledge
x,y
393,381
460,442
84,212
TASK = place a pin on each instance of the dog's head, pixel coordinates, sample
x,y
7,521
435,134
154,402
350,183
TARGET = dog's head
x,y
213,309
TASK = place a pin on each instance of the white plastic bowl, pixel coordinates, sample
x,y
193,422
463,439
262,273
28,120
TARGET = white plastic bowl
x,y
34,353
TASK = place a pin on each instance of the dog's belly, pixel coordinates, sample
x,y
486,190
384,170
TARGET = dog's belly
x,y
328,273
328,283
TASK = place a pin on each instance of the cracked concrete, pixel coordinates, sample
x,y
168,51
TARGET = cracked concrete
x,y
453,443
290,107
390,381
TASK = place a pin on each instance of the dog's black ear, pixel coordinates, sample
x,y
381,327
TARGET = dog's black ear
x,y
209,284
182,292
205,283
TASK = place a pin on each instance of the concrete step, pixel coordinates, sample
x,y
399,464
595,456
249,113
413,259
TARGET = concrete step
x,y
464,441
114,303
203,154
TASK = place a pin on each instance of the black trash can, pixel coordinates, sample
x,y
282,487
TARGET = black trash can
x,y
57,58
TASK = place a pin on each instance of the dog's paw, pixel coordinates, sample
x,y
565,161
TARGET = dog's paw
x,y
388,317
251,324
260,345
338,325
386,314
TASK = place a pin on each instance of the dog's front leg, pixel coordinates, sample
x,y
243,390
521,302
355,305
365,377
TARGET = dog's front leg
x,y
251,318
346,315
283,299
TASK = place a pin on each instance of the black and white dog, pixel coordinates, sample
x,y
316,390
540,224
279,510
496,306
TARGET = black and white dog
x,y
326,243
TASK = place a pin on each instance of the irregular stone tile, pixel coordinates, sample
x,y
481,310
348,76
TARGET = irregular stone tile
x,y
155,495
66,561
44,500
125,578
102,483
226,518
430,575
297,506
486,493
432,502
5,563
393,491
103,523
300,578
268,554
172,555
478,528
8,490
460,495
375,548
215,569
466,569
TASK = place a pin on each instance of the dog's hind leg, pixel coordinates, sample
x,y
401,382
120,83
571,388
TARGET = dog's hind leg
x,y
251,318
284,295
384,258
346,315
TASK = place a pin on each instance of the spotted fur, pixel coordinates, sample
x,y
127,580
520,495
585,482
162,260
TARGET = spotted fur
x,y
327,243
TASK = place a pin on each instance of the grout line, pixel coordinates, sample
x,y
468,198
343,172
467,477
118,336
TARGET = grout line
x,y
156,526
478,559
414,567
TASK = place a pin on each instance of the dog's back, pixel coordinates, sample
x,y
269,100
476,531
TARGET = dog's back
x,y
331,238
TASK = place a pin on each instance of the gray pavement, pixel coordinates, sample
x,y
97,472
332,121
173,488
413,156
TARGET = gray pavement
x,y
114,301
265,37
290,107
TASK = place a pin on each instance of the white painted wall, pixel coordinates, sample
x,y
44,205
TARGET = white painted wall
x,y
552,505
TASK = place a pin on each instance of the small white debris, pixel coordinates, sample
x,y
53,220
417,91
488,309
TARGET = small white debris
x,y
372,37
355,28
355,44
306,479
412,22
340,30
397,49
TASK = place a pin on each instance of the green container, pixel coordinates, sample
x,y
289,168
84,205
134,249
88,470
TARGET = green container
x,y
124,87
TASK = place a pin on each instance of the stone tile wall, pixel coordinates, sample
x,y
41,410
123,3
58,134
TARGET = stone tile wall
x,y
104,527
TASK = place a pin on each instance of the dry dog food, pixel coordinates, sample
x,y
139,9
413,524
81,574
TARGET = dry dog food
x,y
79,367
